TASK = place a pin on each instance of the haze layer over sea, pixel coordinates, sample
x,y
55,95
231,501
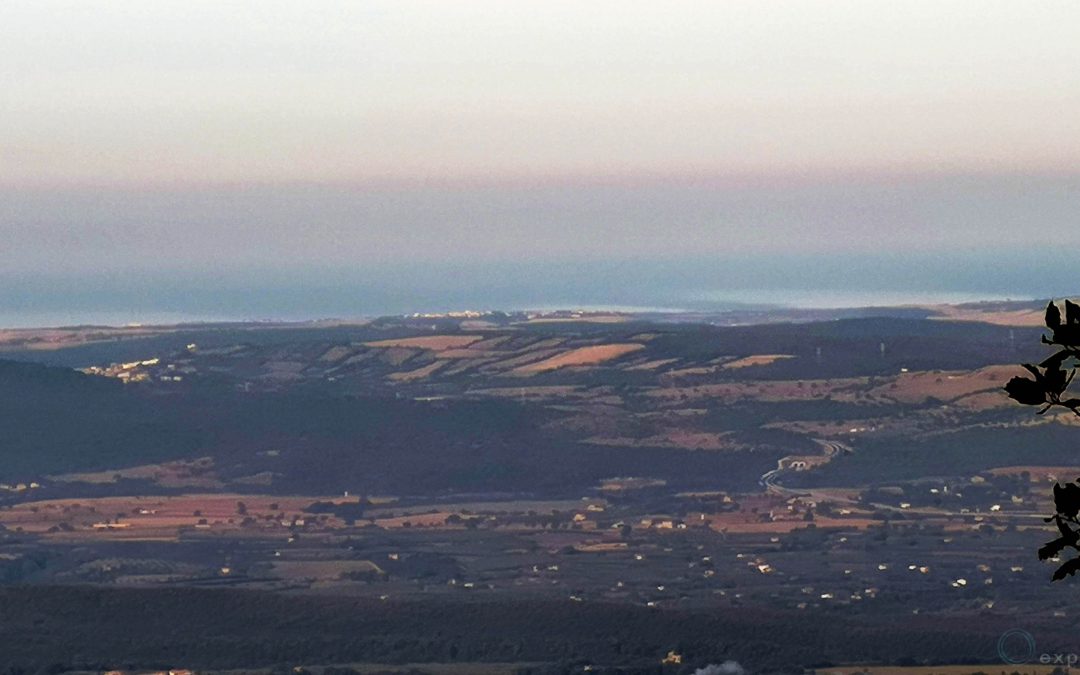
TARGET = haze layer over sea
x,y
702,284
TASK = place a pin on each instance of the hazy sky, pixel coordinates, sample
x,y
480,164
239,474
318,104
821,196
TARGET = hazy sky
x,y
309,135
265,90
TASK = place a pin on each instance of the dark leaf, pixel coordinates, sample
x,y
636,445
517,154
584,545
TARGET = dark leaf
x,y
1072,314
1068,537
1055,360
1068,335
1068,569
1053,316
1055,380
1067,499
1052,548
1067,532
1028,392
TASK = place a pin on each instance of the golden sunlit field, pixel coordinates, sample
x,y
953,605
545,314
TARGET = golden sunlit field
x,y
756,360
582,356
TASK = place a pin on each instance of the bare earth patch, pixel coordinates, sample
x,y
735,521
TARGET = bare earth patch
x,y
335,354
917,387
417,374
651,365
163,517
582,356
756,360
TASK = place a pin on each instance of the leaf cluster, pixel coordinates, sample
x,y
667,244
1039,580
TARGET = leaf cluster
x,y
1067,505
1050,379
1047,388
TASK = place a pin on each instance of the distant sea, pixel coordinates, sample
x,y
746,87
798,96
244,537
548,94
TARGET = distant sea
x,y
714,284
826,299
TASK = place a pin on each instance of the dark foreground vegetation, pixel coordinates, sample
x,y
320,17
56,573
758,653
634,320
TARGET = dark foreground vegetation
x,y
87,628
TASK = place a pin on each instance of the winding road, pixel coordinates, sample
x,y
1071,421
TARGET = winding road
x,y
769,478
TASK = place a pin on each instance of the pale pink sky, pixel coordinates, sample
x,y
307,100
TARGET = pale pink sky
x,y
180,93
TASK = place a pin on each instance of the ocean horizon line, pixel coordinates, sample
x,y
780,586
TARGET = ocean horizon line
x,y
712,302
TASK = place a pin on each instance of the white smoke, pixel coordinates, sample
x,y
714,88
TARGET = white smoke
x,y
725,668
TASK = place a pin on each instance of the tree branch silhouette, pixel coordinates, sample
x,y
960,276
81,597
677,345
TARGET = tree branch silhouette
x,y
1048,388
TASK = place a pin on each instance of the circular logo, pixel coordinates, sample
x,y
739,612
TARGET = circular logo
x,y
1016,646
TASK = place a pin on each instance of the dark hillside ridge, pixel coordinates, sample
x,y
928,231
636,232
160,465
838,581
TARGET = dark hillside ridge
x,y
325,443
324,410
